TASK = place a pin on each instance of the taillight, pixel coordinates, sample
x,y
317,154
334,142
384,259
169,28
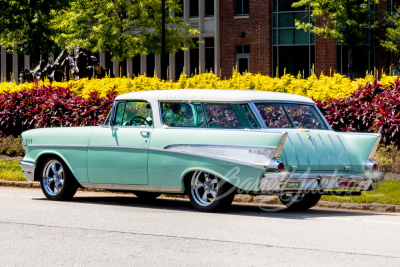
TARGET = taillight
x,y
281,167
375,168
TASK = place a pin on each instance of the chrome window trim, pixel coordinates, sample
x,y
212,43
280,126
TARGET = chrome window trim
x,y
169,189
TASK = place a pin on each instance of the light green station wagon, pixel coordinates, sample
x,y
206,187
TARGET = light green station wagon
x,y
208,144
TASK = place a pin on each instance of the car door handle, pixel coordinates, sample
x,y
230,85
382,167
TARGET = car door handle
x,y
145,133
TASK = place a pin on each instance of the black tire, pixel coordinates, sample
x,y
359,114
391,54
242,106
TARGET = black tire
x,y
224,194
147,195
50,181
300,202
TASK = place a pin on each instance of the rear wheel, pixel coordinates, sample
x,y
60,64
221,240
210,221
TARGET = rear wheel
x,y
56,180
146,195
299,201
208,192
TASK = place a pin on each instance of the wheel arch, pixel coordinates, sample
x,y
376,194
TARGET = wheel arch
x,y
41,157
187,174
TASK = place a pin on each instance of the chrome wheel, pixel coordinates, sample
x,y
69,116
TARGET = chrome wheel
x,y
204,188
53,177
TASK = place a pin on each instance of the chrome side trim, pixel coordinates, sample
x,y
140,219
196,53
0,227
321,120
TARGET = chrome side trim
x,y
28,169
51,145
294,150
375,147
169,189
326,150
217,145
345,151
279,148
305,150
337,153
121,147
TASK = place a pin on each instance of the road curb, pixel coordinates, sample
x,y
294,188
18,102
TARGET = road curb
x,y
262,200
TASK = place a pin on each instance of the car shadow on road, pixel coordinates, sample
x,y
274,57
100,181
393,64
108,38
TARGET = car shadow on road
x,y
183,205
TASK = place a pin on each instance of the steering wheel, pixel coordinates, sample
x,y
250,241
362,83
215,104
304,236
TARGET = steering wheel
x,y
138,121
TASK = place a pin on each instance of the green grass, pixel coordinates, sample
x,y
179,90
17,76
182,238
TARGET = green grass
x,y
387,193
11,171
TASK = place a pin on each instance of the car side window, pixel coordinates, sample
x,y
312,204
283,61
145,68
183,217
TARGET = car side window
x,y
274,116
304,117
137,113
222,116
183,115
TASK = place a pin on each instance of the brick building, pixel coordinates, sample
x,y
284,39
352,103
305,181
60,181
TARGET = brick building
x,y
253,35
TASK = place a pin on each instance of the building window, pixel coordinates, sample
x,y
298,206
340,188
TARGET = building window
x,y
209,8
194,8
293,50
194,57
241,7
243,58
209,54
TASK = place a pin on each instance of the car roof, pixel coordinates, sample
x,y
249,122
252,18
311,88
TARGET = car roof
x,y
213,95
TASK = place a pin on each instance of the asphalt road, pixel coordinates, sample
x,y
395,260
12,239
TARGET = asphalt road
x,y
104,229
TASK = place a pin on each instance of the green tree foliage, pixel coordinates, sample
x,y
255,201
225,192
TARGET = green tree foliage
x,y
124,27
25,25
346,21
392,40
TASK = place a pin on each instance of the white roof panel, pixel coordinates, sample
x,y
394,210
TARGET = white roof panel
x,y
213,95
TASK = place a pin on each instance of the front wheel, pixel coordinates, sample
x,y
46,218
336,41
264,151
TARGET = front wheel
x,y
56,181
208,192
300,201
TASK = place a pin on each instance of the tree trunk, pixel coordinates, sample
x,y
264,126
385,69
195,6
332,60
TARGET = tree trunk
x,y
350,61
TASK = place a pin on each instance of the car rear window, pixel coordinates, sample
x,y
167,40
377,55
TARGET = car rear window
x,y
290,116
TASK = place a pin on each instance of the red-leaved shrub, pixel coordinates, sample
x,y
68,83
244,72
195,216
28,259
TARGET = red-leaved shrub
x,y
50,107
371,108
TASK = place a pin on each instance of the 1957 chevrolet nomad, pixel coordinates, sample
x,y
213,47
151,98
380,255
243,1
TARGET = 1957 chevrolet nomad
x,y
209,144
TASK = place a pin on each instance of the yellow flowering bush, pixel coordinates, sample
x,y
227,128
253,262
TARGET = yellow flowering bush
x,y
323,87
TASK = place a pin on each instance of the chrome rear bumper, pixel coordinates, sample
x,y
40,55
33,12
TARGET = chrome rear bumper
x,y
28,169
285,181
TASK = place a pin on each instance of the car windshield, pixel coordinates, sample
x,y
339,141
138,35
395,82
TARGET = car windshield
x,y
290,116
